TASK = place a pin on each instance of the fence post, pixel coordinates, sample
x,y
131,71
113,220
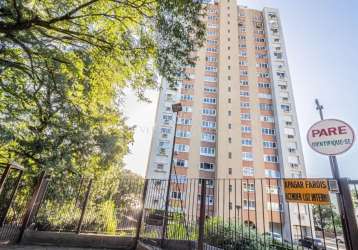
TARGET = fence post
x,y
4,176
14,190
139,224
31,204
349,215
79,226
202,215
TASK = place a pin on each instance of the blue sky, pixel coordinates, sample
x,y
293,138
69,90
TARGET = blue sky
x,y
322,46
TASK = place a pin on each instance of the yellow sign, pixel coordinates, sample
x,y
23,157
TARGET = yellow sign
x,y
310,191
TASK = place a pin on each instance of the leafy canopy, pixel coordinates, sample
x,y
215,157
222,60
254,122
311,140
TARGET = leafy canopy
x,y
64,65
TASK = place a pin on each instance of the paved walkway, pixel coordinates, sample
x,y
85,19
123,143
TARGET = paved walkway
x,y
22,247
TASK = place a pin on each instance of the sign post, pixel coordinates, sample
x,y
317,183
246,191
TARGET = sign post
x,y
332,137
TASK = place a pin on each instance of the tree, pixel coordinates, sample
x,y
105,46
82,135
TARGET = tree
x,y
64,64
326,218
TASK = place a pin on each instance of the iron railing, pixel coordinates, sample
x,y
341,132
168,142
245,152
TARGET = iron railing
x,y
209,213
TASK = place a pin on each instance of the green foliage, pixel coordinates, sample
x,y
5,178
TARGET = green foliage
x,y
63,68
180,228
326,218
62,206
220,233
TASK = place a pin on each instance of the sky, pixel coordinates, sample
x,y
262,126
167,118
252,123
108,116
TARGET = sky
x,y
321,38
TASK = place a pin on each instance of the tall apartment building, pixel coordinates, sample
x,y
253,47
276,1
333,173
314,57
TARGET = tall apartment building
x,y
238,118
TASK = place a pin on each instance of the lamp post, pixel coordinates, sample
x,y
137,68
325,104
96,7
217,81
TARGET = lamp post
x,y
176,108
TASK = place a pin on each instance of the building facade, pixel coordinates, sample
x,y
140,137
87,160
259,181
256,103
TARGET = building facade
x,y
238,119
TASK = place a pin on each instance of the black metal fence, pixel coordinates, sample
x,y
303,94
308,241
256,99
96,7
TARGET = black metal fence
x,y
211,213
15,193
238,214
84,205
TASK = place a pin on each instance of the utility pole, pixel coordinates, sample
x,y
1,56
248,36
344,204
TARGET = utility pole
x,y
336,175
176,108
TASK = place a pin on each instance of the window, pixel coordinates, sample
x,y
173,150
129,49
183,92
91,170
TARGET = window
x,y
269,144
208,124
211,42
188,86
243,73
244,82
229,140
209,182
179,178
230,155
211,59
246,142
181,163
247,156
292,146
209,199
274,206
285,107
209,112
229,100
207,166
211,33
210,89
186,109
230,171
245,105
245,116
242,46
264,96
293,159
244,93
167,118
165,132
209,49
265,107
176,195
289,131
213,17
272,190
209,100
229,112
207,151
182,148
271,158
210,78
208,137
183,133
278,55
270,173
264,85
249,187
260,48
229,126
211,69
268,131
260,40
247,171
261,56
242,53
184,121
212,25
160,166
187,97
263,75
242,37
245,129
267,118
